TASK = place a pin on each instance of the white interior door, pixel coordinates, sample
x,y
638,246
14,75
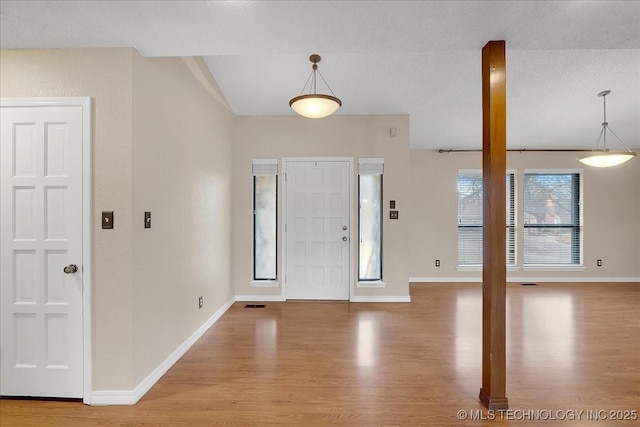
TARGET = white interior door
x,y
40,233
317,230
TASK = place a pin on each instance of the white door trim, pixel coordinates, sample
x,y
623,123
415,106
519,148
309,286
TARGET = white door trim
x,y
87,223
283,210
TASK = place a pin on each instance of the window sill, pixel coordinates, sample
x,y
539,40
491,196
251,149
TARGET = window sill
x,y
548,267
371,284
264,283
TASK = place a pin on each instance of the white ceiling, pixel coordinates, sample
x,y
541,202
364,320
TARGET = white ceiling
x,y
383,57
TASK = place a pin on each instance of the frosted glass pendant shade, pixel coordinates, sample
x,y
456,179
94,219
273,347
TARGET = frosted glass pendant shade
x,y
607,159
315,106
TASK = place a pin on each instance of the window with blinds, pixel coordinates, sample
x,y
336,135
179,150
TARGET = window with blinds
x,y
370,173
552,219
470,219
265,219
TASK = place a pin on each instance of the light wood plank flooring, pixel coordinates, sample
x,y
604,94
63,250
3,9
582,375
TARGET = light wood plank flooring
x,y
569,347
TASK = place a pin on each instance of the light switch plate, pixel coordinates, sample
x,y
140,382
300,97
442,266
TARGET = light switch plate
x,y
107,220
147,220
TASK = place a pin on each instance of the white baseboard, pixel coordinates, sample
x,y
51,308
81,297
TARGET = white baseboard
x,y
445,279
401,298
113,397
260,298
527,279
575,279
131,397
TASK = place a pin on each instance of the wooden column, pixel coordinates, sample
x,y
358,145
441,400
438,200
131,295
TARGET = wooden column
x,y
494,272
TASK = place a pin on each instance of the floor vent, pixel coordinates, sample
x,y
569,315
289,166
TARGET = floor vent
x,y
529,284
255,306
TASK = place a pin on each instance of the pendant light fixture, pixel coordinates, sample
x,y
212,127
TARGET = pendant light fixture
x,y
315,105
604,157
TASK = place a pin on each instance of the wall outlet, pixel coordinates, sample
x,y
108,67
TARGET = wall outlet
x,y
437,263
200,302
599,262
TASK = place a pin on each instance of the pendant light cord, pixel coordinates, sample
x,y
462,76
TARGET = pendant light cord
x,y
605,128
605,125
307,82
327,84
313,78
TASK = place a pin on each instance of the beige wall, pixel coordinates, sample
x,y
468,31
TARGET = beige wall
x,y
611,214
336,136
104,75
161,141
182,175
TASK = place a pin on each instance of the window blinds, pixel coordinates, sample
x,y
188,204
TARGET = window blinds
x,y
265,167
552,219
470,219
370,166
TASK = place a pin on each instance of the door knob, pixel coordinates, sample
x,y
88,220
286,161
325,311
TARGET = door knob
x,y
344,239
71,268
344,227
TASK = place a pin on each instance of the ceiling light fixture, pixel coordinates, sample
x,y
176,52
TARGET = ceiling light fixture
x,y
315,105
603,157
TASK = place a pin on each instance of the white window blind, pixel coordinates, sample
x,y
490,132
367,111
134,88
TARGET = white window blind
x,y
265,167
265,219
470,219
370,173
370,166
552,219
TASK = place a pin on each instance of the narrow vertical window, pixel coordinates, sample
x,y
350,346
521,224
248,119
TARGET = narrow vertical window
x,y
552,219
265,219
370,219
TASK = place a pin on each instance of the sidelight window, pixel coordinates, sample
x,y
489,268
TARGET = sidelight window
x,y
370,173
265,219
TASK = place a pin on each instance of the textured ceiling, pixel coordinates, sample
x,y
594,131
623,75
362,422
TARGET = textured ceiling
x,y
383,57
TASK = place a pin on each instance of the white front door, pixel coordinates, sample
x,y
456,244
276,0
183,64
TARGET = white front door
x,y
41,324
317,230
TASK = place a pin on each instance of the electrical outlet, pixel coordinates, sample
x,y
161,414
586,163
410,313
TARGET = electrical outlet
x,y
599,262
437,263
200,302
393,214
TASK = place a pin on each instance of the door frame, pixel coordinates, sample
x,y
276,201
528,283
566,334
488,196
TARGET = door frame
x,y
87,223
285,163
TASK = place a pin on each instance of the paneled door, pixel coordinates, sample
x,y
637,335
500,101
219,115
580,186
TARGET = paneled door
x,y
317,230
41,251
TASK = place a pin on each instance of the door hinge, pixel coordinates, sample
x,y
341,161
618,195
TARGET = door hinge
x,y
285,228
285,176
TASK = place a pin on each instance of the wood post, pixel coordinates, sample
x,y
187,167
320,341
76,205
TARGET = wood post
x,y
494,273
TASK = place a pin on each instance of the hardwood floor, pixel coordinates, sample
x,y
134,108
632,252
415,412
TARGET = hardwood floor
x,y
570,347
